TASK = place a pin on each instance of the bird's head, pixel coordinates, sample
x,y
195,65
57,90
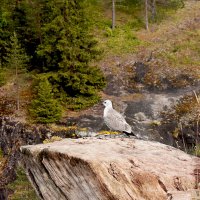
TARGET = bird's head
x,y
107,103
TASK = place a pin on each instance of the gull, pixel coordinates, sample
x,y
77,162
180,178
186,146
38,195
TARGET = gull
x,y
114,120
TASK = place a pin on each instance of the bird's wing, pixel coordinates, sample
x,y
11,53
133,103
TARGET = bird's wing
x,y
116,121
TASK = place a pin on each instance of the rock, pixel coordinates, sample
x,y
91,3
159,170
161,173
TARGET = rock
x,y
140,71
140,116
13,134
117,169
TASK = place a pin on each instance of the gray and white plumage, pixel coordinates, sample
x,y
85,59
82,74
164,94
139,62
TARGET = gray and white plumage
x,y
114,120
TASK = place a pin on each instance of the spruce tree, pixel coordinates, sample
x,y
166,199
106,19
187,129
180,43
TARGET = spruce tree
x,y
67,49
56,36
6,27
44,108
17,61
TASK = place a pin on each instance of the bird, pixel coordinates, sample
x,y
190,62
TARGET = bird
x,y
114,120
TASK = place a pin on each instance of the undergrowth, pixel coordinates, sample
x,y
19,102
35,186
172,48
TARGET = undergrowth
x,y
22,187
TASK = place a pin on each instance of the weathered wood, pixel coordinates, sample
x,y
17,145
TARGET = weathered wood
x,y
108,169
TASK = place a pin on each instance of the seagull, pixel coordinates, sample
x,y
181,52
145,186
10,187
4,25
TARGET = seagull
x,y
114,120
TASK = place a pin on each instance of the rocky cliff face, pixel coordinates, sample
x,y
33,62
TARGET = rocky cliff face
x,y
13,134
123,169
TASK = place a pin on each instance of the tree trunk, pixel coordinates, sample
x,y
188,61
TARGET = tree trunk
x,y
113,14
153,9
17,87
3,194
146,15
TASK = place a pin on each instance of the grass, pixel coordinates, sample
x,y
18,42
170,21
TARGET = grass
x,y
22,187
122,40
129,20
185,50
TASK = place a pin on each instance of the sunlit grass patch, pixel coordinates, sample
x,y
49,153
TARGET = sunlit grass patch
x,y
22,187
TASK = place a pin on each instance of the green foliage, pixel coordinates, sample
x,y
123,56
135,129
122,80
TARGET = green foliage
x,y
22,187
172,4
67,43
16,57
57,35
78,90
166,8
122,40
6,27
2,77
63,47
44,108
81,102
67,50
195,150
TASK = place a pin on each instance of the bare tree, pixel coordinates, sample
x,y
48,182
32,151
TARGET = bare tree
x,y
146,15
153,9
113,14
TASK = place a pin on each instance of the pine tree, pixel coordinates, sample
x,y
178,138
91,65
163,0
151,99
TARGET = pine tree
x,y
16,60
44,108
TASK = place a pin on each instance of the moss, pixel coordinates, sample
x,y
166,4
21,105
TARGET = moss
x,y
22,187
186,110
195,151
83,129
155,123
52,139
108,133
176,132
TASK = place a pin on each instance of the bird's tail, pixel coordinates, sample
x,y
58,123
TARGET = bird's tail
x,y
129,134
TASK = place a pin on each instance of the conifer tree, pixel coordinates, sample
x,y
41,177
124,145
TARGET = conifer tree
x,y
16,60
67,49
44,108
6,27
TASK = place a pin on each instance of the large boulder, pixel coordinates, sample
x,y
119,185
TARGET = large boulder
x,y
110,169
